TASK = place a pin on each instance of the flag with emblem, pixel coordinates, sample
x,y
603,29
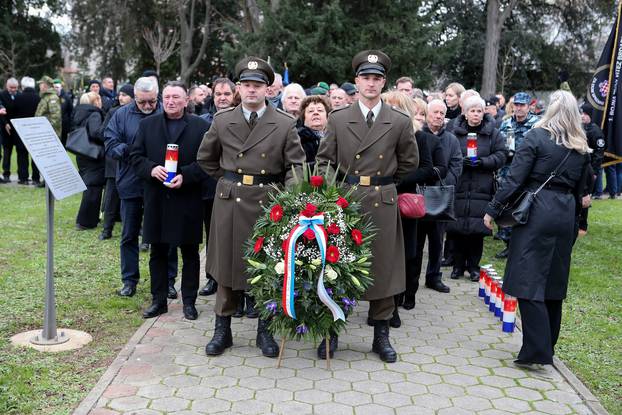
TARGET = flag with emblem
x,y
605,93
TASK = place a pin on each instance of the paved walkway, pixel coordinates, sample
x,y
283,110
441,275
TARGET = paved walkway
x,y
453,359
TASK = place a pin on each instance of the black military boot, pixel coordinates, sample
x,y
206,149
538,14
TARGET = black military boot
x,y
239,310
395,321
251,311
381,344
265,341
332,344
222,337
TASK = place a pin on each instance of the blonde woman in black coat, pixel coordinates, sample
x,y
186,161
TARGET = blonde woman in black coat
x,y
539,255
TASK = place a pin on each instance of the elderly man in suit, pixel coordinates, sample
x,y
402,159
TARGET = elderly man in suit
x,y
373,145
249,147
173,210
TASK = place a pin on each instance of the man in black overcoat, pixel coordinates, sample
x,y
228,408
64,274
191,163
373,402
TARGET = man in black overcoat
x,y
173,213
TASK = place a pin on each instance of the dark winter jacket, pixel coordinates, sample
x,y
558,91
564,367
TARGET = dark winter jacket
x,y
310,141
477,183
119,136
596,141
90,117
451,153
430,157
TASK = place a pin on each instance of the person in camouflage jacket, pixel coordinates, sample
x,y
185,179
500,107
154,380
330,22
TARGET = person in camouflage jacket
x,y
49,106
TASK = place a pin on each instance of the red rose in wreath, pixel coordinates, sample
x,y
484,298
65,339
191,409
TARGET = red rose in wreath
x,y
309,211
276,213
333,229
357,236
316,181
258,244
332,254
309,234
343,203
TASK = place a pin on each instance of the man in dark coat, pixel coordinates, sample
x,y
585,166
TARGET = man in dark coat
x,y
26,105
248,147
374,144
8,98
173,212
66,107
119,136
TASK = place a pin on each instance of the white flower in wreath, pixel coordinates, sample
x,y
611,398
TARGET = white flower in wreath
x,y
331,274
279,268
316,262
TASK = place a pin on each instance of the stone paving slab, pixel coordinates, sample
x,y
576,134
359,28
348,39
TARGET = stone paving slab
x,y
453,359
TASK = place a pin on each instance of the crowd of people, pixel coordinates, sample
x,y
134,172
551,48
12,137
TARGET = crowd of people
x,y
237,138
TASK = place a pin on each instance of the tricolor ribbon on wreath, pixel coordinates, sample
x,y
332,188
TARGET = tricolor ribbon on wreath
x,y
316,224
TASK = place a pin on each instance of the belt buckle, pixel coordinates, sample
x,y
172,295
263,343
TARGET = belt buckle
x,y
247,179
365,180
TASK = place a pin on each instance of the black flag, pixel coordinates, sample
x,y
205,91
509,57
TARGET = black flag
x,y
605,92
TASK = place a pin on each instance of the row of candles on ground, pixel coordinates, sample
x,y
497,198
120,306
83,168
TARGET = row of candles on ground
x,y
502,305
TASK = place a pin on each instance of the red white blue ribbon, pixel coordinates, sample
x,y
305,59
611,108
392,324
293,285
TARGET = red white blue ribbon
x,y
316,224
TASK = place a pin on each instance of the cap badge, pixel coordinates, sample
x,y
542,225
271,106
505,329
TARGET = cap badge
x,y
372,58
252,65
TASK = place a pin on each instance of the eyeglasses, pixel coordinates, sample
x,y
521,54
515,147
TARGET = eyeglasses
x,y
144,102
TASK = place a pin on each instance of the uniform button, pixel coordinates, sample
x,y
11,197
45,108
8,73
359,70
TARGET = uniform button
x,y
260,184
263,155
358,156
378,173
261,202
237,199
380,157
239,184
377,188
376,204
239,170
392,199
356,172
263,172
241,155
220,194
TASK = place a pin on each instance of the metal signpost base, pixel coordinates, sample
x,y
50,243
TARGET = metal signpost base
x,y
49,335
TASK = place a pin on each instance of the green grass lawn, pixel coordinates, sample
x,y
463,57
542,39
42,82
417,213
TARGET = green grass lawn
x,y
87,274
590,342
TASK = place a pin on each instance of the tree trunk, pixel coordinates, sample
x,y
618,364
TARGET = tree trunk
x,y
495,19
186,14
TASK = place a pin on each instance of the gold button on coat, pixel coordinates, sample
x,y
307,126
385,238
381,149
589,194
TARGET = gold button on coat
x,y
263,172
380,157
237,199
239,170
241,155
376,204
358,156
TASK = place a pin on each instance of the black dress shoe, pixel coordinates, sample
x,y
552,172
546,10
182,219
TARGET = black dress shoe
x,y
409,302
474,276
447,262
143,247
155,309
265,341
503,254
382,345
222,337
210,287
7,179
172,292
106,234
370,322
332,346
40,185
438,286
128,290
190,312
395,321
251,311
456,273
81,227
23,182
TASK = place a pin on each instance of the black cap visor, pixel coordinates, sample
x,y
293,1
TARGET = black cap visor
x,y
257,76
370,68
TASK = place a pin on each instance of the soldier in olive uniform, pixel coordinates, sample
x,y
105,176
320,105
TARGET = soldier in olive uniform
x,y
248,147
49,107
373,144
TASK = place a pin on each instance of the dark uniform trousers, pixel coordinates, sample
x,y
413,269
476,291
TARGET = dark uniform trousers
x,y
467,251
541,321
208,205
434,233
227,300
381,309
112,204
159,270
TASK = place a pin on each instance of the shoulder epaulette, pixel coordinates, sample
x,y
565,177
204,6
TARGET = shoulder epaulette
x,y
223,111
340,108
284,113
399,110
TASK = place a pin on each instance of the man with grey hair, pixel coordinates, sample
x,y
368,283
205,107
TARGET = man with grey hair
x,y
26,104
275,91
7,99
119,137
338,98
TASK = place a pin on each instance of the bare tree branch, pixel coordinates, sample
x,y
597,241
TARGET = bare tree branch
x,y
162,43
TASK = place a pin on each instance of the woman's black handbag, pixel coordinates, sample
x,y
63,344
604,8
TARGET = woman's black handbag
x,y
439,201
78,143
516,211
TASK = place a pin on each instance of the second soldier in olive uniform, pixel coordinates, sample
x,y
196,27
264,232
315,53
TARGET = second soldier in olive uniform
x,y
248,147
373,145
49,107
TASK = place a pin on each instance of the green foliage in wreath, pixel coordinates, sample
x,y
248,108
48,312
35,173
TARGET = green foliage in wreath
x,y
348,256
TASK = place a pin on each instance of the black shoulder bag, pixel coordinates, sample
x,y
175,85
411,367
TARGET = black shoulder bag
x,y
439,201
516,212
